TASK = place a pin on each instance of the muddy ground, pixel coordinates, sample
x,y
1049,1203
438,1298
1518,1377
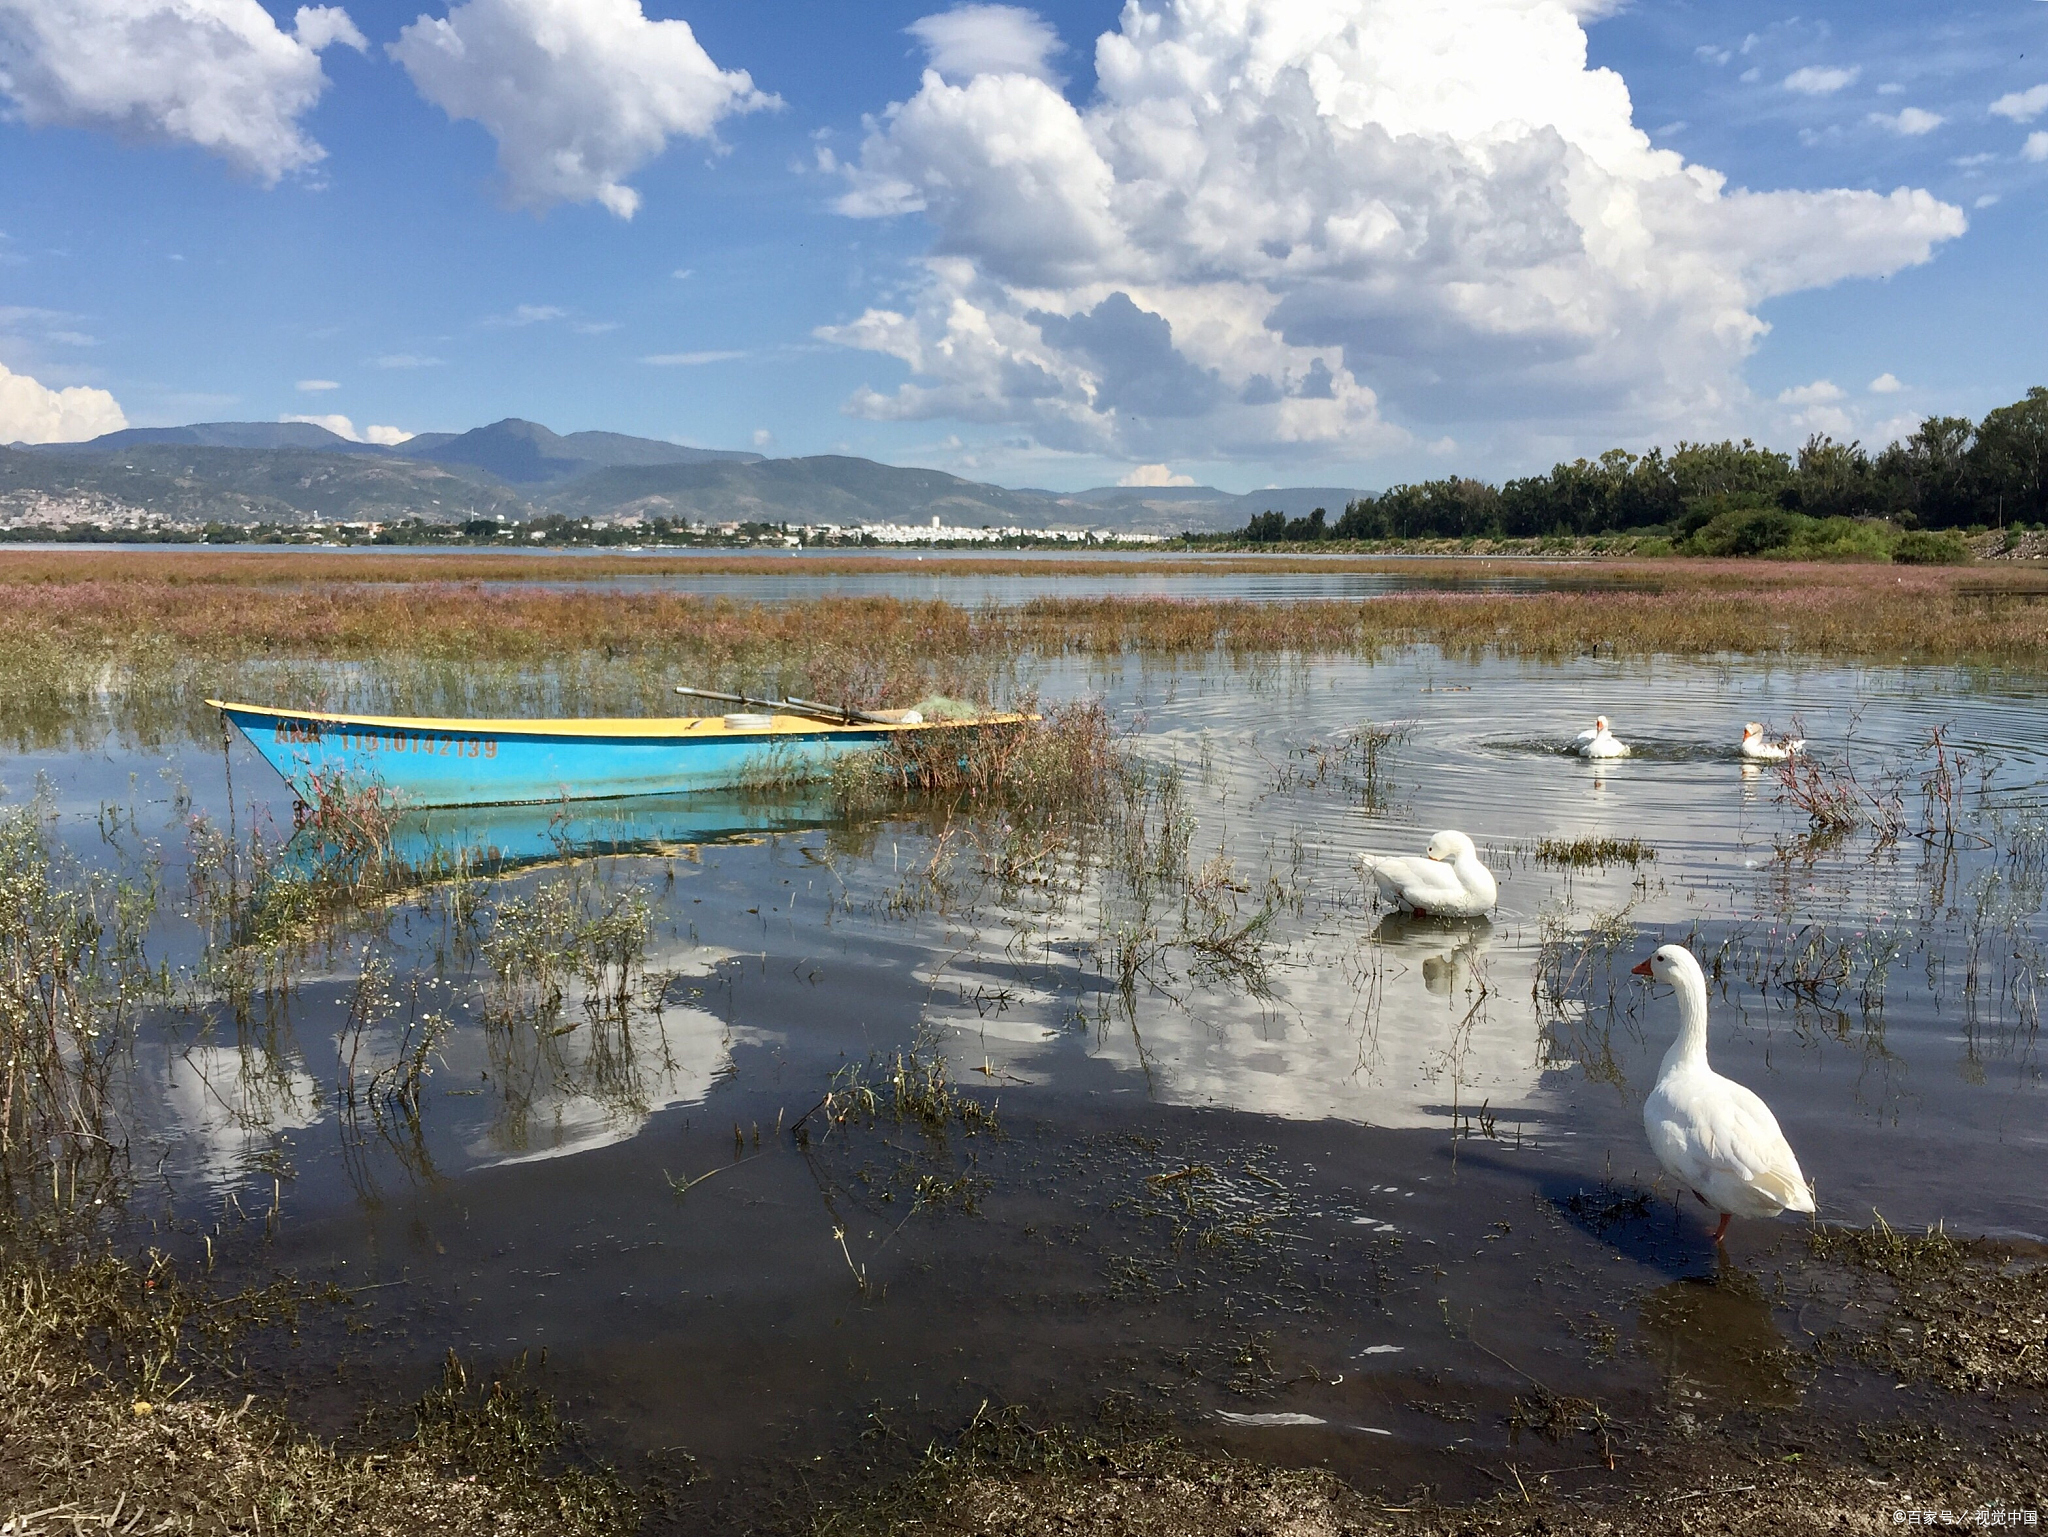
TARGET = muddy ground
x,y
1915,1399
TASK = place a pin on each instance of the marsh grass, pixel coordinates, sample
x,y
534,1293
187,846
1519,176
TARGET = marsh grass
x,y
259,568
913,1087
1930,790
1239,1213
577,939
139,651
73,981
1081,844
1970,1316
1357,761
1592,852
1054,818
122,1410
1063,761
572,929
261,903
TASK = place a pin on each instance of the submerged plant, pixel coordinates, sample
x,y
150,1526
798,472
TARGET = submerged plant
x,y
72,979
565,932
913,1087
1357,760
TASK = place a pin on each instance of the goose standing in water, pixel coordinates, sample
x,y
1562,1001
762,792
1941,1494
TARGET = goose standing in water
x,y
1448,882
1714,1136
1599,742
1758,748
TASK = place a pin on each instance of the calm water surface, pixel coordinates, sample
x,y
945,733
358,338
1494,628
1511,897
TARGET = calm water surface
x,y
1336,1203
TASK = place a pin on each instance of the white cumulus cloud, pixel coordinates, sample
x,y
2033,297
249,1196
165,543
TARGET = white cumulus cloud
x,y
317,386
1813,409
2036,147
1154,475
578,93
1909,122
1285,229
1886,384
972,40
1821,79
1820,392
33,413
343,427
219,74
2022,106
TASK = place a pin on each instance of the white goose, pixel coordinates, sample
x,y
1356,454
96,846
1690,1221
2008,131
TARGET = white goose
x,y
1759,748
1449,882
1599,742
1714,1136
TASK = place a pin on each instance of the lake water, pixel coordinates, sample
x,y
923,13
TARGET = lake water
x,y
951,577
973,589
1328,1186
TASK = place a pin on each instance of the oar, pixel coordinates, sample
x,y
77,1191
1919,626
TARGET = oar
x,y
810,707
845,712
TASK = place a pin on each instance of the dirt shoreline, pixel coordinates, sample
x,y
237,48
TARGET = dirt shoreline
x,y
1920,1403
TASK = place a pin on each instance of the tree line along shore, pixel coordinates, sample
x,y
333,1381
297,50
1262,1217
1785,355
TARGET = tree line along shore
x,y
1912,502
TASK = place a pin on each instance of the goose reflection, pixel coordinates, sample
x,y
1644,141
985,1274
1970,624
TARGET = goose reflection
x,y
1717,1344
1446,951
1752,781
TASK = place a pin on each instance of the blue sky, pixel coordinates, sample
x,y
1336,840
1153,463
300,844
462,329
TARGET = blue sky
x,y
1332,243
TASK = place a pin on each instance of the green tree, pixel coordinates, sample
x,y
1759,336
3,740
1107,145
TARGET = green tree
x,y
1728,469
2009,460
1926,479
1833,480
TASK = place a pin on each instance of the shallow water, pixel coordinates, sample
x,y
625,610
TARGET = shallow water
x,y
971,590
1338,1203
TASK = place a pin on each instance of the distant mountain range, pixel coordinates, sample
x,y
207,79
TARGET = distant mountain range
x,y
297,472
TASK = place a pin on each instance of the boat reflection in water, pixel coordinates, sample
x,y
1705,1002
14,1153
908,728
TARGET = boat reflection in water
x,y
492,840
574,1030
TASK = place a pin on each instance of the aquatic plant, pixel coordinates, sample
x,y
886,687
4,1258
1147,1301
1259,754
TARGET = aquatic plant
x,y
912,1087
1356,759
72,980
570,928
1592,852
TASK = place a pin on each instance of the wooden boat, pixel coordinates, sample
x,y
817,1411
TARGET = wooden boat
x,y
436,762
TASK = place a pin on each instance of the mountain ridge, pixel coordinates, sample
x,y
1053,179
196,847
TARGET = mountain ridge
x,y
513,470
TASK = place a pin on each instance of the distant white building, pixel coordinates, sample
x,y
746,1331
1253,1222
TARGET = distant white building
x,y
937,532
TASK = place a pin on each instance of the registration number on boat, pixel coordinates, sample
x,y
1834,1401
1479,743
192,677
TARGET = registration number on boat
x,y
432,743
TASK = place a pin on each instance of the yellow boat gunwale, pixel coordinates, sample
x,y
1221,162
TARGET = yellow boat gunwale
x,y
647,727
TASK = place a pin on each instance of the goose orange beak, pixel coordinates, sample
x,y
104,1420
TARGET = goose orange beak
x,y
1640,969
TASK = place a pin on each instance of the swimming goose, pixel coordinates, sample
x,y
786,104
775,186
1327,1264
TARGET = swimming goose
x,y
1761,749
1449,882
1599,742
1715,1137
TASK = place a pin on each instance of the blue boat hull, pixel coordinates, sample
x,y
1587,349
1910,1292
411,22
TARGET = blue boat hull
x,y
436,762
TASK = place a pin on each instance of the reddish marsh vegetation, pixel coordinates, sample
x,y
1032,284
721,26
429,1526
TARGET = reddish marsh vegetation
x,y
152,640
277,568
213,607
